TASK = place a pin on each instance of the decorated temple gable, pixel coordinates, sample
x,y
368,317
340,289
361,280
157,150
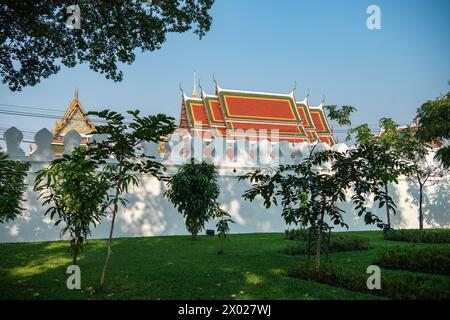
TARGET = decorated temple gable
x,y
321,125
75,118
215,115
253,116
196,120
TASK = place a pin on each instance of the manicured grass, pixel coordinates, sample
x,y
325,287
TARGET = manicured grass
x,y
252,267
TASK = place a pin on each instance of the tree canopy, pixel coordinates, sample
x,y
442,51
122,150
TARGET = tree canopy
x,y
35,40
194,191
434,124
124,141
12,187
77,194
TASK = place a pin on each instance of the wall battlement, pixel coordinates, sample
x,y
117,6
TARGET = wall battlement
x,y
149,214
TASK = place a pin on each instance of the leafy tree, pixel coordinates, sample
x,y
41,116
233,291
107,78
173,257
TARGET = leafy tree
x,y
433,119
77,193
388,160
311,190
12,187
194,190
35,39
381,157
422,170
340,115
422,167
384,158
299,186
124,141
377,164
222,227
310,193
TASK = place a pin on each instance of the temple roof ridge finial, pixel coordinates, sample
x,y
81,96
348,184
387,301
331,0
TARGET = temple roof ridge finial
x,y
181,88
292,93
323,100
194,91
306,100
215,81
201,88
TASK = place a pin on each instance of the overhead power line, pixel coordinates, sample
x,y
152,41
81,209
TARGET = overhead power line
x,y
47,116
28,107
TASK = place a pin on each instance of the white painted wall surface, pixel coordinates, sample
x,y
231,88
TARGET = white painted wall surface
x,y
150,214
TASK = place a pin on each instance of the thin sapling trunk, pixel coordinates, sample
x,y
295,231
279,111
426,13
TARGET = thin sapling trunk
x,y
388,216
109,253
319,242
421,211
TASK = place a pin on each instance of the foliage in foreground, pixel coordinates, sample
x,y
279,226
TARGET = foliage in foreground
x,y
414,235
124,141
423,168
429,260
194,191
296,234
254,270
311,190
167,267
402,286
337,243
384,159
434,125
36,40
77,193
12,187
309,195
223,229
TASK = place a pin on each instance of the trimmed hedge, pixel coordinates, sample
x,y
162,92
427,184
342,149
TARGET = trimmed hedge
x,y
413,235
296,234
395,286
416,259
338,243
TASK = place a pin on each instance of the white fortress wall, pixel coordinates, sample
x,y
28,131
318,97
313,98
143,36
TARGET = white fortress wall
x,y
150,214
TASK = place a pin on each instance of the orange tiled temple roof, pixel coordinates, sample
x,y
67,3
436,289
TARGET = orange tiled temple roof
x,y
245,111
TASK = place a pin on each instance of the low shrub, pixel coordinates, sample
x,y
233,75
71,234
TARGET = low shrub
x,y
296,234
345,243
338,243
413,235
298,249
394,286
416,259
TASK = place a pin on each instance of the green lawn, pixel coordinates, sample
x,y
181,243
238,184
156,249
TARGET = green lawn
x,y
175,267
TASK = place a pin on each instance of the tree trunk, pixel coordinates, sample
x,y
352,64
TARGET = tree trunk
x,y
386,190
75,252
194,235
221,246
319,243
74,257
421,211
108,255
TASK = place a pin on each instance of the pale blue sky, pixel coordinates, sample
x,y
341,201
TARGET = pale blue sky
x,y
264,45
